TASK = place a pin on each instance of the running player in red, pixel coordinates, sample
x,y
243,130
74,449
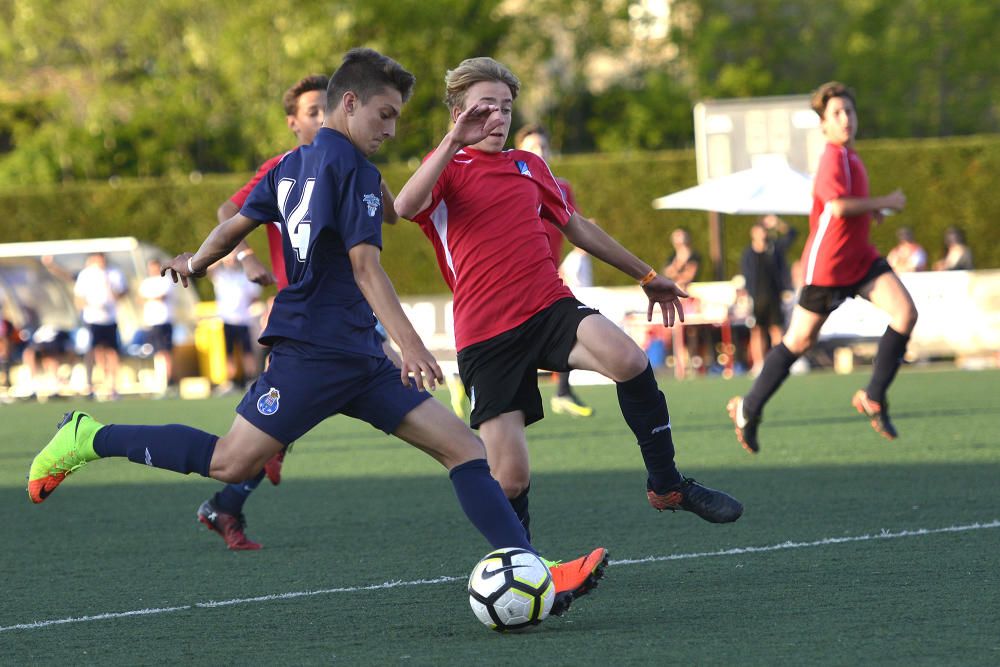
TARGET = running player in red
x,y
840,262
484,209
305,105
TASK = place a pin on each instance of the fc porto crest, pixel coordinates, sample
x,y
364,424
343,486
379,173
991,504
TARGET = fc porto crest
x,y
522,167
373,202
268,404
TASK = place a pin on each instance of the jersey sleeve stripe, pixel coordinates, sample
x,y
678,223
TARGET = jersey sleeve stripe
x,y
439,216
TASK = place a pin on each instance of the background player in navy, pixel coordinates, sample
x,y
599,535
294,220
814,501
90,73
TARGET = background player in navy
x,y
326,356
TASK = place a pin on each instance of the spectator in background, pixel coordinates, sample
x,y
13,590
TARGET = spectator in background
x,y
234,295
157,315
957,255
765,269
682,266
98,288
535,139
907,256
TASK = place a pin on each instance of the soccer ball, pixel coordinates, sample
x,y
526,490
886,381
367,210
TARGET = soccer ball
x,y
511,589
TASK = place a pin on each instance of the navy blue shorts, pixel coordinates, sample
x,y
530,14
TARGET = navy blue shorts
x,y
236,334
103,335
161,337
305,384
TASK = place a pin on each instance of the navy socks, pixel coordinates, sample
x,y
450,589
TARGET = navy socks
x,y
645,410
172,446
777,363
233,496
488,509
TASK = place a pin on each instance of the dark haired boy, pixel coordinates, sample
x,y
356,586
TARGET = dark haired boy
x,y
839,262
326,357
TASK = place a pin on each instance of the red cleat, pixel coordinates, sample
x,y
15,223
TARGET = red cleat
x,y
273,467
229,526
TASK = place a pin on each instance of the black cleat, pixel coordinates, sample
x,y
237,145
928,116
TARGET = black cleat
x,y
746,427
690,496
877,412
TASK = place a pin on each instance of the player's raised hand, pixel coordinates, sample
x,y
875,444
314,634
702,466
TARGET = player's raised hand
x,y
665,292
419,362
180,267
476,123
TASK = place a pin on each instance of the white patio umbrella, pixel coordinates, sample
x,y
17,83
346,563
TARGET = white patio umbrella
x,y
777,189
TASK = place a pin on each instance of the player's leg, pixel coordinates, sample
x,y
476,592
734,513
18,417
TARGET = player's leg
x,y
566,402
746,411
887,293
603,347
80,439
435,430
507,451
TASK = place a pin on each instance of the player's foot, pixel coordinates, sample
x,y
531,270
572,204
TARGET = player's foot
x,y
746,427
71,448
576,578
569,404
273,467
877,412
690,496
457,392
230,526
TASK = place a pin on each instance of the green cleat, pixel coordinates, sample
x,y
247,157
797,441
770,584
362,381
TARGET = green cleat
x,y
69,450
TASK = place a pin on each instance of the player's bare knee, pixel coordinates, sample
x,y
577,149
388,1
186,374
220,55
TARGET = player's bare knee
x,y
513,482
632,362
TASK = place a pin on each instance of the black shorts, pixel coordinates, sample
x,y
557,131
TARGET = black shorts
x,y
825,300
161,337
501,374
103,335
767,312
236,334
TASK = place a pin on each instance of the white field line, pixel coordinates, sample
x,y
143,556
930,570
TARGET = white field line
x,y
884,535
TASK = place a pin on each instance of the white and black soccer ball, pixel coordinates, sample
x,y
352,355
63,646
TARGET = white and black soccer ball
x,y
511,589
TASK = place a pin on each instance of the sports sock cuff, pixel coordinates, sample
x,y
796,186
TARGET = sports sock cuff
x,y
474,464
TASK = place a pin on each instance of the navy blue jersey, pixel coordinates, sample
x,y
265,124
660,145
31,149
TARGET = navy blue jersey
x,y
327,197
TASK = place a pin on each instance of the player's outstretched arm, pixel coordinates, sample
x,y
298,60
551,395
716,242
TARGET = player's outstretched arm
x,y
844,207
219,243
381,296
584,234
471,126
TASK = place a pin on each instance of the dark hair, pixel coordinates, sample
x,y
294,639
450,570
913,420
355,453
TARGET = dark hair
x,y
828,91
955,233
366,73
904,234
290,99
527,131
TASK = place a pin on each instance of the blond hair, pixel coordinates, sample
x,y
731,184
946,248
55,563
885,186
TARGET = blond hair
x,y
471,71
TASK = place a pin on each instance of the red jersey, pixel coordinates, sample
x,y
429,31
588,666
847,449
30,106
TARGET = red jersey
x,y
839,251
556,237
487,220
273,228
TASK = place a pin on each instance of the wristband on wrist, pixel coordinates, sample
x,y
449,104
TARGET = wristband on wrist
x,y
648,279
243,254
191,266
